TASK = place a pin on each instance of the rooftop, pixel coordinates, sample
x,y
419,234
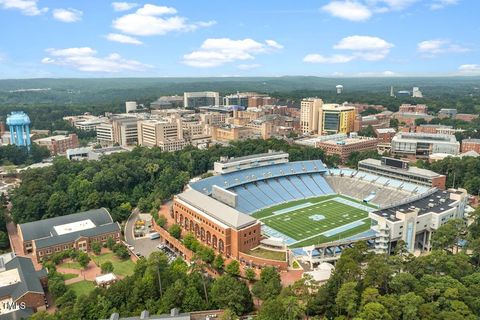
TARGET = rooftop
x,y
64,229
415,137
414,170
253,156
55,138
436,203
216,209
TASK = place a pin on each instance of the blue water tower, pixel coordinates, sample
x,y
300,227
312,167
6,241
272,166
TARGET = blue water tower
x,y
19,125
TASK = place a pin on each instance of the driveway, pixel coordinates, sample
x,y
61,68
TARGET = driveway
x,y
142,245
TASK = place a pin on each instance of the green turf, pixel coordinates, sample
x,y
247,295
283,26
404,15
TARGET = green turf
x,y
267,254
269,211
82,287
342,235
67,276
71,265
299,226
120,267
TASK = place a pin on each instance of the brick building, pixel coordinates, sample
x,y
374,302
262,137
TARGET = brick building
x,y
21,287
385,135
59,144
471,145
347,145
215,224
43,238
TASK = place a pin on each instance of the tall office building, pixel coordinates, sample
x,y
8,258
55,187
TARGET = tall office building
x,y
19,124
194,100
310,109
336,118
168,135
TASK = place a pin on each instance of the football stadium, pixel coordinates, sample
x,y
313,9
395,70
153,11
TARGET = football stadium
x,y
265,202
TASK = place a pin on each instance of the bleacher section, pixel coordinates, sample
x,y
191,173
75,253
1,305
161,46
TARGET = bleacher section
x,y
233,179
258,188
361,185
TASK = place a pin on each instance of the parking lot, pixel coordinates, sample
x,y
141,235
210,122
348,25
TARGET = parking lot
x,y
141,246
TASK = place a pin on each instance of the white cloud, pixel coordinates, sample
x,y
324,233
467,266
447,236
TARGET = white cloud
x,y
360,47
248,66
348,10
431,48
67,15
217,52
123,6
116,37
26,7
336,58
365,47
440,4
362,10
86,59
155,20
469,69
386,73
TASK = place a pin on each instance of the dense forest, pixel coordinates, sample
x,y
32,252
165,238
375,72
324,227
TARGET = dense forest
x,y
461,172
144,178
61,97
364,286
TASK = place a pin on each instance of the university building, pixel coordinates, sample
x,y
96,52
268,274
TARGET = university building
x,y
78,231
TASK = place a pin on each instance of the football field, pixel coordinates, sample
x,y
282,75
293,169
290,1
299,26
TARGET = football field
x,y
315,220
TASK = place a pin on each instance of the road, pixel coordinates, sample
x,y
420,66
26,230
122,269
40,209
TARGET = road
x,y
143,245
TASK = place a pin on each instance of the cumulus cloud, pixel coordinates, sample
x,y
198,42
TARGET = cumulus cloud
x,y
360,47
362,10
123,6
26,7
440,4
67,15
217,52
348,10
318,58
86,59
116,37
434,47
470,69
151,20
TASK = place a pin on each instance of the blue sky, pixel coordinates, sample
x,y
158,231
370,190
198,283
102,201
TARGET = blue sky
x,y
41,38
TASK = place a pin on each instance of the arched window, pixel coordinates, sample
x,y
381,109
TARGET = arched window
x,y
197,230
186,224
181,219
220,245
202,234
214,241
191,226
209,237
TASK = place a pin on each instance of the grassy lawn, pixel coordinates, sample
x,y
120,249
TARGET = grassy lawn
x,y
120,267
82,287
67,276
267,254
70,265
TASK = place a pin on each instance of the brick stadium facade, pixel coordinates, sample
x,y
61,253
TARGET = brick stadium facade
x,y
226,239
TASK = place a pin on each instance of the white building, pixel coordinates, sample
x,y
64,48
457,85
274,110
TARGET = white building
x,y
421,145
200,99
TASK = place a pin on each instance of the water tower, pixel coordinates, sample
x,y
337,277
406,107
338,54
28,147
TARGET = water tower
x,y
339,89
19,125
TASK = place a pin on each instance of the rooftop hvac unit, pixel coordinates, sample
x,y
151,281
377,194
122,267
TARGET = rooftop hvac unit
x,y
392,216
431,205
442,200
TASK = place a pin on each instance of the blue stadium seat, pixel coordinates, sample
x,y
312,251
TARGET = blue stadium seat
x,y
275,185
311,185
295,180
290,188
270,192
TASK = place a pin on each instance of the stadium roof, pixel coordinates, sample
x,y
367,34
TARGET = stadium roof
x,y
413,170
253,156
437,202
216,209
